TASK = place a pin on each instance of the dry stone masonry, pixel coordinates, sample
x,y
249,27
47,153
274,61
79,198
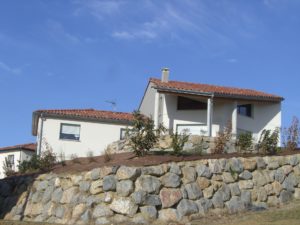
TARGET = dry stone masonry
x,y
169,192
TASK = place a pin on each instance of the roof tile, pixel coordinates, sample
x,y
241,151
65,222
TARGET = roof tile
x,y
217,90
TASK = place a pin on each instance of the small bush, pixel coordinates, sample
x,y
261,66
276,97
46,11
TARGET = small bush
x,y
62,158
268,142
90,156
222,138
8,168
74,158
47,160
245,141
199,146
178,141
291,135
108,155
143,135
30,166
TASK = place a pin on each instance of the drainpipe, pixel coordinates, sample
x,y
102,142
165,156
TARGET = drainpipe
x,y
41,134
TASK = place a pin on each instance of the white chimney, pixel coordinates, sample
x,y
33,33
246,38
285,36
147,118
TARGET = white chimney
x,y
165,75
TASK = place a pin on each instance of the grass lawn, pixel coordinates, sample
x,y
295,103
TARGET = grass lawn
x,y
288,214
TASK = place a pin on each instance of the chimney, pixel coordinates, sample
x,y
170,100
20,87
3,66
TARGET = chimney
x,y
165,75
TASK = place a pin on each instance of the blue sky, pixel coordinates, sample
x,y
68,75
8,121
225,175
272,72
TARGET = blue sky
x,y
81,53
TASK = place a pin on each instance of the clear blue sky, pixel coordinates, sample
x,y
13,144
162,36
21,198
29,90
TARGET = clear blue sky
x,y
80,53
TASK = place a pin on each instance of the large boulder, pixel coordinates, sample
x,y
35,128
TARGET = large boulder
x,y
189,174
193,191
170,180
170,197
96,187
203,182
204,205
149,212
203,171
109,183
126,172
124,205
148,183
169,214
186,207
102,210
235,205
154,170
125,188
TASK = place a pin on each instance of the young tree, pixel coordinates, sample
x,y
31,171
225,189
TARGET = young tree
x,y
143,136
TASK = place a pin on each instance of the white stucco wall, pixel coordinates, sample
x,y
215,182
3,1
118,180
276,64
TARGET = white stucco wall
x,y
147,104
94,136
19,155
265,116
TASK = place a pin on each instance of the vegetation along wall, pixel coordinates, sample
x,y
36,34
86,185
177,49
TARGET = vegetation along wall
x,y
168,192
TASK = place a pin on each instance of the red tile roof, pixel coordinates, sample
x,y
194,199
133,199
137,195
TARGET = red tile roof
x,y
28,147
218,91
88,113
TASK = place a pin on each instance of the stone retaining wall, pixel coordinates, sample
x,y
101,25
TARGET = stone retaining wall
x,y
195,143
168,192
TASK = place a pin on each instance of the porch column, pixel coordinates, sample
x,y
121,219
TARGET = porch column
x,y
156,110
209,116
234,119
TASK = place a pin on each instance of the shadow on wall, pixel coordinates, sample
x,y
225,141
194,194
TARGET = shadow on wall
x,y
14,193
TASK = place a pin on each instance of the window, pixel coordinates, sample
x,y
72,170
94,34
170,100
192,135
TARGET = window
x,y
69,132
124,133
245,110
11,161
190,104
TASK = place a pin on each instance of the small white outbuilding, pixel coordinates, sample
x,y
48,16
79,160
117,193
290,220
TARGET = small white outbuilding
x,y
78,132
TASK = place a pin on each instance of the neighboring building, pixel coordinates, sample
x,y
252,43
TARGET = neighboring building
x,y
14,155
206,109
78,132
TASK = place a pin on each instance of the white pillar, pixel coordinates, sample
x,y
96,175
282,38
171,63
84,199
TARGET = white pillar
x,y
234,119
209,116
156,110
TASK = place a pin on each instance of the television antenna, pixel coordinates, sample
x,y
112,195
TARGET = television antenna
x,y
113,104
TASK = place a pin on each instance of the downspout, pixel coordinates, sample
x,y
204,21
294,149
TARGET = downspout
x,y
41,134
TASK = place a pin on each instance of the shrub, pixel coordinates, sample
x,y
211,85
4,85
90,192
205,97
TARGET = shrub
x,y
74,158
222,138
245,141
62,158
90,156
199,146
108,155
8,168
47,160
178,141
268,142
291,135
143,135
29,166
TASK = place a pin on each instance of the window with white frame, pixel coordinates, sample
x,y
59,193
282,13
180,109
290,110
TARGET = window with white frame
x,y
69,132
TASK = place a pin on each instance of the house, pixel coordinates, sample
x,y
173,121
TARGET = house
x,y
200,108
78,132
206,109
15,155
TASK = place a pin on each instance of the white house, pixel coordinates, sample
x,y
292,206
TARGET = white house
x,y
206,109
78,131
15,155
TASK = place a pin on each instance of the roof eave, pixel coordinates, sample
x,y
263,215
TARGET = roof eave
x,y
220,95
89,119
